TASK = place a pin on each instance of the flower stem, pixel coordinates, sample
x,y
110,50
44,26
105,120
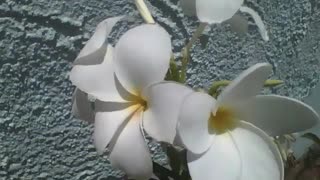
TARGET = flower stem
x,y
144,11
184,65
173,70
186,50
196,35
213,91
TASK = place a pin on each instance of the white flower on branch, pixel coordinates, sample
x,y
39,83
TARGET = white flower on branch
x,y
218,11
229,138
127,82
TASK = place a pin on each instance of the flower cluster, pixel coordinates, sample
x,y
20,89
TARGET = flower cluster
x,y
122,91
218,11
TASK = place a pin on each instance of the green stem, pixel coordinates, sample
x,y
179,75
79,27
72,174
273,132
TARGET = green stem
x,y
144,11
186,50
184,65
196,35
174,70
213,91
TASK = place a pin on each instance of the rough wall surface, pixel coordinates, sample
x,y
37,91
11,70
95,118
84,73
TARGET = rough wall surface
x,y
39,39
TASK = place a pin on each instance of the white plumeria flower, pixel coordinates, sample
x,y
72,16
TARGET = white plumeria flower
x,y
218,11
229,138
129,88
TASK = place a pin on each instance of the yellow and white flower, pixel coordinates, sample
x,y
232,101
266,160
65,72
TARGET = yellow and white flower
x,y
127,82
229,138
218,11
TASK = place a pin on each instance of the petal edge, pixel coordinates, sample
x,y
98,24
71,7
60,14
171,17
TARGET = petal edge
x,y
279,115
164,100
193,122
142,57
94,50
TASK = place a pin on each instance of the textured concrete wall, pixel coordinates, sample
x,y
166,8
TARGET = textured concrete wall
x,y
39,39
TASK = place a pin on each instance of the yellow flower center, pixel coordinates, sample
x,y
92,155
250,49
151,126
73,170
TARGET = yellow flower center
x,y
222,121
138,107
141,102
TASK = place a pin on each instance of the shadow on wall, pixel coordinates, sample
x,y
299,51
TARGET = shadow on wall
x,y
313,100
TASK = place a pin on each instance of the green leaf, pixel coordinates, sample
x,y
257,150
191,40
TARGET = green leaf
x,y
173,72
178,162
312,137
174,159
163,173
213,91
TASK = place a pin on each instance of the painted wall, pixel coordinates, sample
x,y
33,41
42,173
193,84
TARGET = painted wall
x,y
39,39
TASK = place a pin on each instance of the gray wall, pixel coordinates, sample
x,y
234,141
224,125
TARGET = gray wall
x,y
39,39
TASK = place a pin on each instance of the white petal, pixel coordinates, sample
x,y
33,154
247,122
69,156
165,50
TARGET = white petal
x,y
142,57
188,7
259,155
217,11
279,115
164,100
130,152
222,161
193,122
247,85
262,29
238,24
99,80
81,106
107,123
96,47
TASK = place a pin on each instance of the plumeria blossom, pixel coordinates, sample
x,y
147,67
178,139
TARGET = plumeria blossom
x,y
218,11
127,82
229,138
